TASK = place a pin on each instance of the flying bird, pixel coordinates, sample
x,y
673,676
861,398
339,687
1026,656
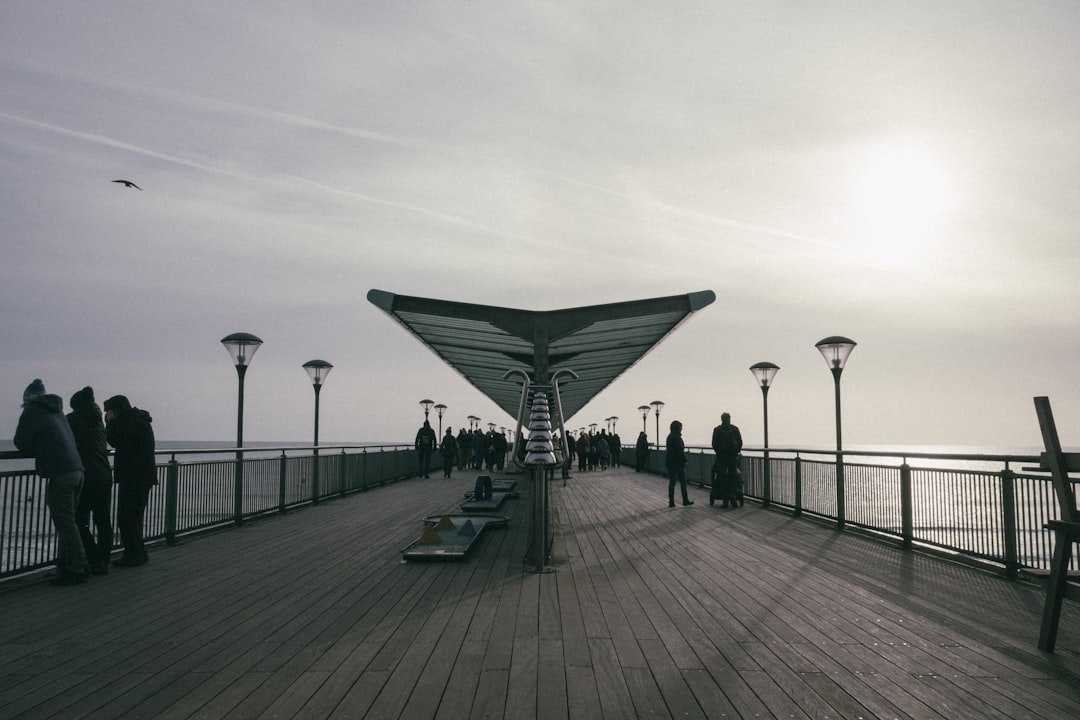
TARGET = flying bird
x,y
128,183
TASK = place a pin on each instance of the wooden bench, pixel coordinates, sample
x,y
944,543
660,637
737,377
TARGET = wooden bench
x,y
1066,530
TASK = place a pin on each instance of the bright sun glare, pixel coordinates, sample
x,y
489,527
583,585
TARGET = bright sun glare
x,y
900,196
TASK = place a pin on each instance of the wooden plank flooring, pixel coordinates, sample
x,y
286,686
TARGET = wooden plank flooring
x,y
691,612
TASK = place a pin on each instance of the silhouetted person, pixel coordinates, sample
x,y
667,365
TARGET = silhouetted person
x,y
449,451
135,471
425,445
43,432
727,443
641,452
675,462
96,497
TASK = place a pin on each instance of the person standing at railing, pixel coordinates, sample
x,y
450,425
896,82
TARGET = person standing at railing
x,y
43,432
641,452
727,444
96,497
448,449
129,432
425,445
675,462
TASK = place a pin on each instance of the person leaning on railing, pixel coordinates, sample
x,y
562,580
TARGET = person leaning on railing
x,y
134,468
43,432
96,496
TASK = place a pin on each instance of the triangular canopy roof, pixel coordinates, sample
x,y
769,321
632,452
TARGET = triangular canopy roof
x,y
483,342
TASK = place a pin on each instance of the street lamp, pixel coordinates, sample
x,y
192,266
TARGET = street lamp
x,y
472,422
835,349
765,372
644,410
426,404
592,428
614,419
317,370
241,348
657,406
439,410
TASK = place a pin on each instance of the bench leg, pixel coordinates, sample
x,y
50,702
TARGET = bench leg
x,y
1055,591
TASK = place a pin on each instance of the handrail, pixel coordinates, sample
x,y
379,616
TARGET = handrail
x,y
995,515
18,455
199,492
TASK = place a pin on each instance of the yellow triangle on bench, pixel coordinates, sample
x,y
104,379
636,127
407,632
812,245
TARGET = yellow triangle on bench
x,y
430,537
445,523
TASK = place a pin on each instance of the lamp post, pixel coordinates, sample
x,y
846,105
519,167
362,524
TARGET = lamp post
x,y
765,372
614,419
644,410
426,404
241,348
317,370
657,405
835,349
439,410
592,428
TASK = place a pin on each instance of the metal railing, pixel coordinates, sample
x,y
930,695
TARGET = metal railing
x,y
984,508
196,492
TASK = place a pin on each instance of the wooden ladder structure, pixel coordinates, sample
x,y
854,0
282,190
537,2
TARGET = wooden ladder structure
x,y
1066,530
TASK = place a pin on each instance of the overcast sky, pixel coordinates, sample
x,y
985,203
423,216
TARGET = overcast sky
x,y
904,174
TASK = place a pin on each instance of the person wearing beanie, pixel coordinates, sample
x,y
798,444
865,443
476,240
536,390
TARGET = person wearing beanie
x,y
134,468
44,433
96,498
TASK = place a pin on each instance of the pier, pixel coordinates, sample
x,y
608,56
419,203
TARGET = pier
x,y
647,612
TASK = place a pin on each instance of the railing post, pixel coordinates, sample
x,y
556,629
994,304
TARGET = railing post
x,y
238,489
282,465
798,486
172,483
1008,522
315,476
766,480
907,513
343,472
363,468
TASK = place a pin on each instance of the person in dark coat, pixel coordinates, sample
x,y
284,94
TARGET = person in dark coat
x,y
449,450
425,445
135,471
44,433
727,444
641,452
96,497
675,462
615,444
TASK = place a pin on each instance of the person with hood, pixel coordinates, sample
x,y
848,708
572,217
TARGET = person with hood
x,y
675,461
135,470
449,451
641,452
96,497
44,433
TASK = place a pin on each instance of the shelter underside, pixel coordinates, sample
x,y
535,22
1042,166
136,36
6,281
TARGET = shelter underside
x,y
483,343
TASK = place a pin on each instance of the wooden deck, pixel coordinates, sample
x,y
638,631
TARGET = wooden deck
x,y
650,612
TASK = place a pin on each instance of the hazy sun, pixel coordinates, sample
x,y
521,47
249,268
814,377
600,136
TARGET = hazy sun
x,y
900,194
